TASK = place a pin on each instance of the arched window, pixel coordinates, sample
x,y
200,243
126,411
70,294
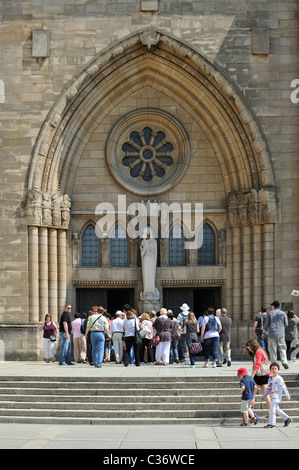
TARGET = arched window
x,y
90,247
177,252
119,247
207,252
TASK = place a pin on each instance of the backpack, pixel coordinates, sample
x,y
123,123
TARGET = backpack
x,y
83,327
212,323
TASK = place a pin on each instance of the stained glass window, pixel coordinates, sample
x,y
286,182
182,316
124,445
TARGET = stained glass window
x,y
119,247
177,252
207,252
90,247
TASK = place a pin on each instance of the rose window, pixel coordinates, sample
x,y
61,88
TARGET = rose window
x,y
148,151
147,154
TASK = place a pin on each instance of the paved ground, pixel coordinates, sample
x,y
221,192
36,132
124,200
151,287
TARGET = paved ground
x,y
114,439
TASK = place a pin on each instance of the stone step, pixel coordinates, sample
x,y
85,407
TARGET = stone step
x,y
137,406
125,400
104,399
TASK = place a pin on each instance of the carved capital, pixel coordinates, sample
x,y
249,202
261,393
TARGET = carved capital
x,y
44,210
251,207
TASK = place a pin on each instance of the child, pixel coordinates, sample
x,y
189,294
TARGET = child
x,y
274,388
248,389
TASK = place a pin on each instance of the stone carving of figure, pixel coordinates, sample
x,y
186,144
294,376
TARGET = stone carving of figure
x,y
148,249
65,211
34,207
47,210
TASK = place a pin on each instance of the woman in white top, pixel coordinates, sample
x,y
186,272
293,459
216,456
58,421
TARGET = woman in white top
x,y
210,330
130,324
147,326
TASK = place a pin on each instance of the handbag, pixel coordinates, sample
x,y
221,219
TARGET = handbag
x,y
52,338
195,348
155,341
264,368
138,339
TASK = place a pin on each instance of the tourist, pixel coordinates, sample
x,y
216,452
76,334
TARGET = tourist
x,y
147,327
174,353
261,366
116,333
79,340
97,325
225,338
49,337
258,328
292,334
65,329
130,325
275,387
163,326
210,329
191,329
276,322
181,320
248,389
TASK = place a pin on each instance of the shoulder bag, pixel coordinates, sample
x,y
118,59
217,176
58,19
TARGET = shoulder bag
x,y
138,339
264,368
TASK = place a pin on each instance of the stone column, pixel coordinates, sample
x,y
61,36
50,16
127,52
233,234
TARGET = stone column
x,y
236,273
268,263
61,259
53,273
43,272
257,274
33,274
246,273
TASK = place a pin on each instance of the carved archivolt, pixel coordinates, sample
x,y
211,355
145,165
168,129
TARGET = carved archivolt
x,y
251,207
181,70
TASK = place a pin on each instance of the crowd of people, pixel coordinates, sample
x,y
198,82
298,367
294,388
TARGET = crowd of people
x,y
163,337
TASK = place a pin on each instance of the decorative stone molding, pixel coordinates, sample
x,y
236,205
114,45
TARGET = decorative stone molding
x,y
105,284
43,210
150,38
251,207
192,282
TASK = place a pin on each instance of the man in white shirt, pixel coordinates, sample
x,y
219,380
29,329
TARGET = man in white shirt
x,y
116,332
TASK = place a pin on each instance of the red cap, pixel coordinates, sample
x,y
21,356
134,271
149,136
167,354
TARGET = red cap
x,y
242,371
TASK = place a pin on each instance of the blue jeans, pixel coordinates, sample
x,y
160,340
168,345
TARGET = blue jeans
x,y
98,347
211,348
65,349
174,352
263,342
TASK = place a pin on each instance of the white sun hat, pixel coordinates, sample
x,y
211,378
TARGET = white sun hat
x,y
185,308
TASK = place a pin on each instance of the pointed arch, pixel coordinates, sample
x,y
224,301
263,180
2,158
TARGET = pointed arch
x,y
183,74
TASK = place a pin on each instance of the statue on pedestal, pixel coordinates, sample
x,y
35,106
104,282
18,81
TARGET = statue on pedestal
x,y
148,249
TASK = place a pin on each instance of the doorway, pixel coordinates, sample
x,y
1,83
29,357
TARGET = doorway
x,y
198,299
111,299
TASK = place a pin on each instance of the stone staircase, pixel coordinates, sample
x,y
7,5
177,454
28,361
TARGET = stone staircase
x,y
191,400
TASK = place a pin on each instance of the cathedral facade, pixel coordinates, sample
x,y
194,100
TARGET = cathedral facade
x,y
175,117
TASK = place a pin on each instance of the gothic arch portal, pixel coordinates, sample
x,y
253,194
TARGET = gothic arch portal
x,y
205,92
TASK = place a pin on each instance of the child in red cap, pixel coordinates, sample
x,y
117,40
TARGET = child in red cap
x,y
248,389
